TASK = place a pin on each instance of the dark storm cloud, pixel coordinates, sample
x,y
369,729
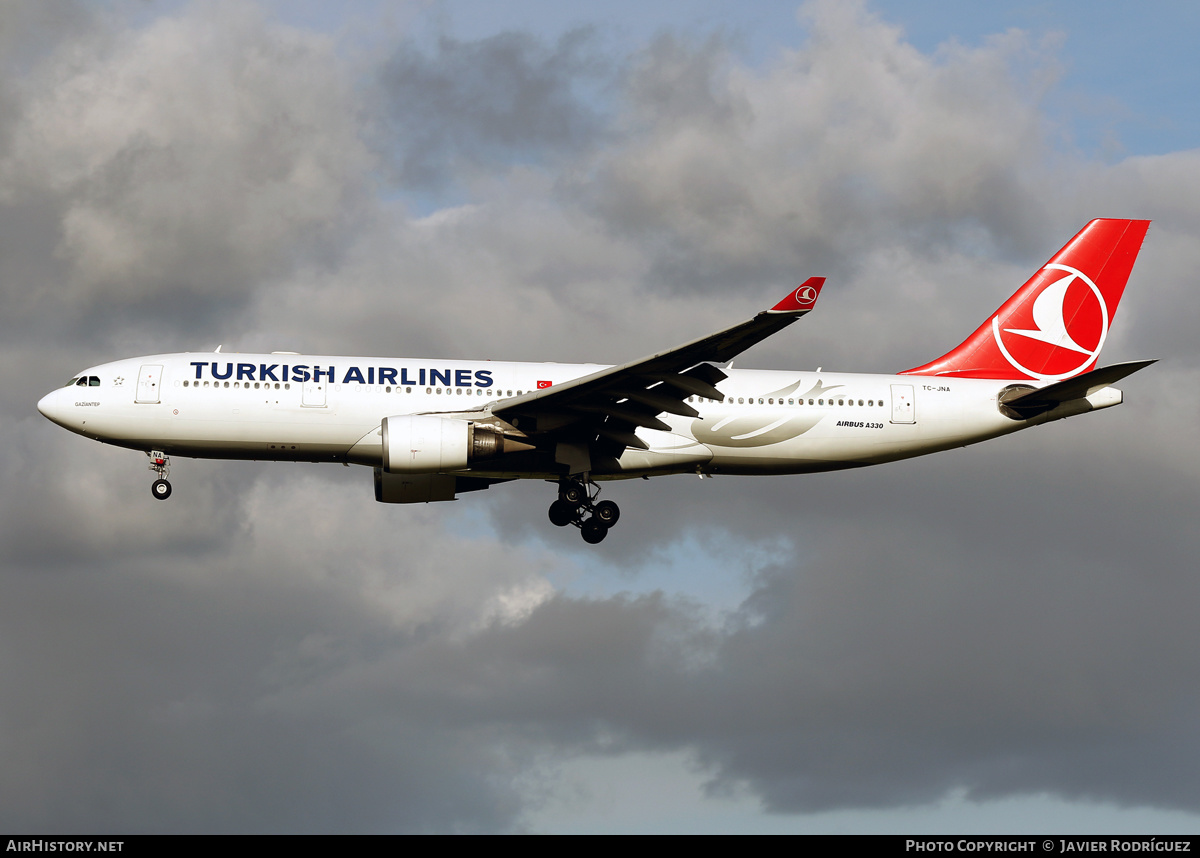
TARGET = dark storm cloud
x,y
489,103
215,669
194,732
272,650
1000,620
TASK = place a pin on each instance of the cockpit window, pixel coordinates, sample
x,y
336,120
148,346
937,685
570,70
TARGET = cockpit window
x,y
84,381
93,381
73,381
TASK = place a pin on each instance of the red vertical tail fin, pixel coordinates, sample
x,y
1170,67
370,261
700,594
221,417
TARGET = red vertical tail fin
x,y
1055,325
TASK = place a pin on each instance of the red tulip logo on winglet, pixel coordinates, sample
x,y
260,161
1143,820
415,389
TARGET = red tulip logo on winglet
x,y
803,298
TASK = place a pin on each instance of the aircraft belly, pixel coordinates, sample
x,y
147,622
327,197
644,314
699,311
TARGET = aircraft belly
x,y
668,452
657,461
224,432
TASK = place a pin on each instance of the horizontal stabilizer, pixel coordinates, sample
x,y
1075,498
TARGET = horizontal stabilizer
x,y
1030,403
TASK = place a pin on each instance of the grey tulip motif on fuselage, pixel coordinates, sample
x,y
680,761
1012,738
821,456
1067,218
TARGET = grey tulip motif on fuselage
x,y
761,428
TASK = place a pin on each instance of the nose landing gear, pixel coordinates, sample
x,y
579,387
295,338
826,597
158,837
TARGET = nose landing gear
x,y
576,505
161,465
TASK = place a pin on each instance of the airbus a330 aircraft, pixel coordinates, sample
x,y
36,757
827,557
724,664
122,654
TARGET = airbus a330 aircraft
x,y
433,428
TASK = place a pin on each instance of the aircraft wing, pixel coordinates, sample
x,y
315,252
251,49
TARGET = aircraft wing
x,y
601,411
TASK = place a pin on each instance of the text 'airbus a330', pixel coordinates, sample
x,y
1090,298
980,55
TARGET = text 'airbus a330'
x,y
433,428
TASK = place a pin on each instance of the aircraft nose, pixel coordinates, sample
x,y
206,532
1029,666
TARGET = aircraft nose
x,y
51,407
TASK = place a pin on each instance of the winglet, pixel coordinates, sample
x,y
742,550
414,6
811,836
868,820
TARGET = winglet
x,y
803,299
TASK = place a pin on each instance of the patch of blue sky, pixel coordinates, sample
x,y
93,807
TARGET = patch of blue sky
x,y
713,568
665,794
1126,67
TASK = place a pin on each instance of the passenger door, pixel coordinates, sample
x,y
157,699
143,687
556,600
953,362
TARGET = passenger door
x,y
149,381
904,408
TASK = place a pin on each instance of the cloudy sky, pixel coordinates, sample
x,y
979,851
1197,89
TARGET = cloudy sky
x,y
997,638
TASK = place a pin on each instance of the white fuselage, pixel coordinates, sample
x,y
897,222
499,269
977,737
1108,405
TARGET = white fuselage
x,y
277,407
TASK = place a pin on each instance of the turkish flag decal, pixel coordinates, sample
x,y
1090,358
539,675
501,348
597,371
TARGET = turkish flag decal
x,y
542,385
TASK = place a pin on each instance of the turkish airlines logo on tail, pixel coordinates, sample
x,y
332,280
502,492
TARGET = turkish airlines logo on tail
x,y
1061,332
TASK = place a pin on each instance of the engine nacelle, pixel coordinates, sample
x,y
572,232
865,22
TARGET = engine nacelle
x,y
426,444
420,444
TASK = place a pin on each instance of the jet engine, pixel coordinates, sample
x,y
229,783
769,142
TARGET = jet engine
x,y
427,444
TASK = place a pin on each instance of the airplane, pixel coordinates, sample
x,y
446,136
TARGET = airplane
x,y
433,429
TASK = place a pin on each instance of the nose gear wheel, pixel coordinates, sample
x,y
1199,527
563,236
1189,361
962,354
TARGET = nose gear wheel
x,y
161,465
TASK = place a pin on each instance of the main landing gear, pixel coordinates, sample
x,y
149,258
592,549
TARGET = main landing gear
x,y
161,465
576,505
